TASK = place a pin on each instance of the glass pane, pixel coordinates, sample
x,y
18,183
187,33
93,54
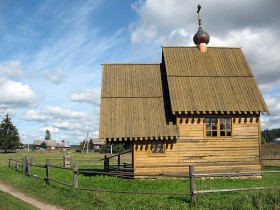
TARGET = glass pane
x,y
208,133
208,120
214,120
214,133
222,120
228,120
208,127
228,126
154,149
222,127
214,127
222,133
160,148
228,133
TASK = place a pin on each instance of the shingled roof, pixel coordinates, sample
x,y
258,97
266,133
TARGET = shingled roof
x,y
219,80
134,104
139,101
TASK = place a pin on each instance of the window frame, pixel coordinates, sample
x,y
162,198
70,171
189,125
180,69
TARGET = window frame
x,y
163,143
218,128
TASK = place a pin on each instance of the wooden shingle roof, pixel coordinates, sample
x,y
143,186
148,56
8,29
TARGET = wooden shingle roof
x,y
219,80
134,105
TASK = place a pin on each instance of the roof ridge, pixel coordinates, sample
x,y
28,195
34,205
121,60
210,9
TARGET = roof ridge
x,y
196,47
130,63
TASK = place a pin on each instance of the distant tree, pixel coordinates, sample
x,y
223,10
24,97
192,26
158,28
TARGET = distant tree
x,y
271,135
48,135
43,145
9,137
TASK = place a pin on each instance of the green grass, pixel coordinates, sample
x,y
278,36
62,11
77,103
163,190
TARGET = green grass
x,y
77,199
9,202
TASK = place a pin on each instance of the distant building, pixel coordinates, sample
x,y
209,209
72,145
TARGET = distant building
x,y
96,143
277,141
52,144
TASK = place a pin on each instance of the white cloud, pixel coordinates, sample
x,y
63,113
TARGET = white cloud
x,y
17,95
51,129
32,115
56,77
59,112
63,119
91,96
53,112
11,69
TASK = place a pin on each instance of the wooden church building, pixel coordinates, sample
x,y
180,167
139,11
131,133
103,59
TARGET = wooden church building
x,y
201,106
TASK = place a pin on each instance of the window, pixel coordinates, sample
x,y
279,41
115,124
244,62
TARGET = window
x,y
157,148
218,127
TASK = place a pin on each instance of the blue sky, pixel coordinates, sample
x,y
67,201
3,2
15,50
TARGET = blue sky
x,y
51,53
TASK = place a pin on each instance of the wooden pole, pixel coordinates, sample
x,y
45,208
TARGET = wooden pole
x,y
119,161
16,164
75,179
23,165
106,163
47,179
27,165
10,162
192,183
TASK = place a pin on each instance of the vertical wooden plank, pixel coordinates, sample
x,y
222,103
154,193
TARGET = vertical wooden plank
x,y
16,164
119,160
27,165
75,178
23,165
192,183
260,142
47,179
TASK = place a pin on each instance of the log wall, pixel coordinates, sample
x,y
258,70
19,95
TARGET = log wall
x,y
238,153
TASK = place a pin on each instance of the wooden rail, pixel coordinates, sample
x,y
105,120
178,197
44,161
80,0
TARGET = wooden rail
x,y
26,164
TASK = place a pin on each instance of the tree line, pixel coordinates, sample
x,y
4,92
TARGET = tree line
x,y
269,136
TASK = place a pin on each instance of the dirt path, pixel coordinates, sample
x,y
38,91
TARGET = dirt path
x,y
36,203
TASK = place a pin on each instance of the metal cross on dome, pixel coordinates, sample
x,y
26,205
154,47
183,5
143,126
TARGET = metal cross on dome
x,y
199,15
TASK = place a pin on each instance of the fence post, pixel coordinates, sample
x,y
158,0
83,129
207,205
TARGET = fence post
x,y
192,183
75,179
67,161
23,165
47,178
119,161
10,162
27,165
106,163
16,164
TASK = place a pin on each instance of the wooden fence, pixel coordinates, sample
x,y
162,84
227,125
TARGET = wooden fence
x,y
25,163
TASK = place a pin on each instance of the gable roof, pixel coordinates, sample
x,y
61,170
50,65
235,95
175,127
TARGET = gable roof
x,y
219,80
134,104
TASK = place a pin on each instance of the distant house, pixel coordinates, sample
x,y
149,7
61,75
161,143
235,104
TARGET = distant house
x,y
51,144
95,143
277,141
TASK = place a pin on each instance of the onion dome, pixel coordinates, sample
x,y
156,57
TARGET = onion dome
x,y
201,37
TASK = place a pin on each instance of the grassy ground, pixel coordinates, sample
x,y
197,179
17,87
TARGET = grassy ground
x,y
76,199
8,202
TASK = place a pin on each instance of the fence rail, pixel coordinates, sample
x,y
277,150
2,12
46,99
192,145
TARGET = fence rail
x,y
26,163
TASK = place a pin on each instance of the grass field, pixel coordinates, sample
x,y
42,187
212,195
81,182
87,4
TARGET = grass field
x,y
69,198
